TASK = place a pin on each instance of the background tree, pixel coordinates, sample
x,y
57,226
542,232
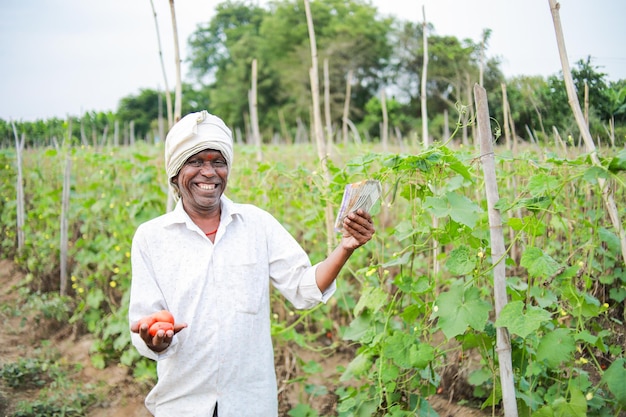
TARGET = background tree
x,y
221,52
141,109
380,52
349,34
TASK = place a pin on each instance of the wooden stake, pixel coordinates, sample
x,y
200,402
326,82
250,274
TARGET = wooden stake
x,y
327,117
178,98
498,251
254,118
346,108
318,130
607,192
384,130
425,138
168,96
65,208
19,148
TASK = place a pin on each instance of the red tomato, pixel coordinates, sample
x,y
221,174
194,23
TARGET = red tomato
x,y
160,325
164,316
149,320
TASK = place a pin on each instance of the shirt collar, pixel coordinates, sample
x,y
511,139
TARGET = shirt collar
x,y
230,211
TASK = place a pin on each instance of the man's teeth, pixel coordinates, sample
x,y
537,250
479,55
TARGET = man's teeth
x,y
207,186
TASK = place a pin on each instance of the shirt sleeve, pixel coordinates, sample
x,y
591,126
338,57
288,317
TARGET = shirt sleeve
x,y
291,271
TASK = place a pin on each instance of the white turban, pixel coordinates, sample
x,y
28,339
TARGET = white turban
x,y
194,133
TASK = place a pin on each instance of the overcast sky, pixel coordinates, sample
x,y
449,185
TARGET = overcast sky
x,y
65,57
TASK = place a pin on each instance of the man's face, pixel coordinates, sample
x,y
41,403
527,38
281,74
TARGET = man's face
x,y
202,180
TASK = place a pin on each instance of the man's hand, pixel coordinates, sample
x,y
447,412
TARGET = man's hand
x,y
358,229
161,340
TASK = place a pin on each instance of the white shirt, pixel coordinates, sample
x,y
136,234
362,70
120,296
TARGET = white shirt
x,y
221,290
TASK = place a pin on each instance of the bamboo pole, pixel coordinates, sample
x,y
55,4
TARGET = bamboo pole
x,y
511,181
131,133
283,128
384,130
466,114
317,128
512,127
425,138
607,192
355,131
346,108
21,215
329,122
586,104
498,252
65,208
254,118
505,113
83,135
161,127
168,97
105,137
116,133
178,97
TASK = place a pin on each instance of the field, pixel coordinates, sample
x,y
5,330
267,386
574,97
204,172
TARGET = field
x,y
411,330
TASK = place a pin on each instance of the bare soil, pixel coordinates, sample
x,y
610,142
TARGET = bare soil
x,y
119,395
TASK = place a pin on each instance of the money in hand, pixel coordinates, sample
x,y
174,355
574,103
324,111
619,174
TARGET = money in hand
x,y
359,195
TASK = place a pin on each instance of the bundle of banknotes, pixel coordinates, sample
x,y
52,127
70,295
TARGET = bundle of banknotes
x,y
359,195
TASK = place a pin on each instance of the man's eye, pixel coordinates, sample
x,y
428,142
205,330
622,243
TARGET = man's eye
x,y
196,163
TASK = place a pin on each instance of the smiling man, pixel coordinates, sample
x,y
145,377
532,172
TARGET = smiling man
x,y
210,262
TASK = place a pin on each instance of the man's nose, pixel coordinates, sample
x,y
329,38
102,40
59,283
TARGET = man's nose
x,y
207,168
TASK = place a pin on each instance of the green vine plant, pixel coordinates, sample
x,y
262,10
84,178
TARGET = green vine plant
x,y
412,331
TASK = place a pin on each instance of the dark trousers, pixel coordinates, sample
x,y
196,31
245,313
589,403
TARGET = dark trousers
x,y
215,412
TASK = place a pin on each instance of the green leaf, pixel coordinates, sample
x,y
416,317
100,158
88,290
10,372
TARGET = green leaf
x,y
576,407
389,373
357,367
95,298
405,230
618,294
542,184
461,209
373,298
592,174
358,328
411,313
546,411
522,324
457,309
455,164
534,203
461,260
610,238
618,163
312,367
556,347
98,361
614,378
405,351
397,347
539,264
408,284
531,224
425,410
479,376
302,410
421,355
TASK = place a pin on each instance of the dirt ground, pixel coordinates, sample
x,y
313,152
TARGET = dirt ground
x,y
119,394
